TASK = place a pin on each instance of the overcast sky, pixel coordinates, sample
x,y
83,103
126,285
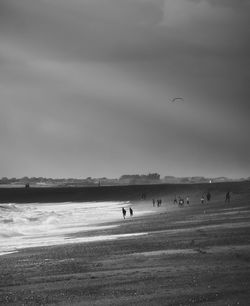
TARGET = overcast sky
x,y
85,87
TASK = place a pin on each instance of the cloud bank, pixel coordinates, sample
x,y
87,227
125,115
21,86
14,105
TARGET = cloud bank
x,y
85,87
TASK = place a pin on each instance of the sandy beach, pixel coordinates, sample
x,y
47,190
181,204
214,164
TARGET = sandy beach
x,y
191,255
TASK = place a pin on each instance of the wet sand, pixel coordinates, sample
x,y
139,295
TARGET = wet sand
x,y
193,255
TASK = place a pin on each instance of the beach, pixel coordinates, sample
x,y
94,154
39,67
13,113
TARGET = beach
x,y
197,254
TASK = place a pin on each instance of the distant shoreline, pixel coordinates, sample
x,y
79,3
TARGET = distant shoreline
x,y
109,193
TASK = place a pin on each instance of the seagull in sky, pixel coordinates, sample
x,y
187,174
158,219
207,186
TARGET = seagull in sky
x,y
176,99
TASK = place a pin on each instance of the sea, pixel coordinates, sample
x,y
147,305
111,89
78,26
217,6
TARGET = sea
x,y
39,225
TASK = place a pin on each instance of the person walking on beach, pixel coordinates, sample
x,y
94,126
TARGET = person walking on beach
x,y
202,199
124,212
153,201
227,199
175,200
131,212
181,201
208,196
187,200
158,202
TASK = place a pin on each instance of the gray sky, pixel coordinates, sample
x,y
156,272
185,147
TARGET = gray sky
x,y
85,87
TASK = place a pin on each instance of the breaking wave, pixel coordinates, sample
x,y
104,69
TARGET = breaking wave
x,y
29,225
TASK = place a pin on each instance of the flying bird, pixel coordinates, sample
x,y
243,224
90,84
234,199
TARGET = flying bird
x,y
176,99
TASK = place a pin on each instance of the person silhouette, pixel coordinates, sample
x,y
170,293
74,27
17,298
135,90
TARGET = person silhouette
x,y
124,212
227,199
208,196
131,212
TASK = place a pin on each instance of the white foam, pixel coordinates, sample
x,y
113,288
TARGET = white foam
x,y
31,225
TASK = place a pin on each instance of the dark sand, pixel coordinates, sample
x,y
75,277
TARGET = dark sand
x,y
194,255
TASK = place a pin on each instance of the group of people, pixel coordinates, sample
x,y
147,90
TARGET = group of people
x,y
208,197
157,202
124,212
181,201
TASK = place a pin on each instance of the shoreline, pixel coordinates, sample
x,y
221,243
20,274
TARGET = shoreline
x,y
191,255
90,232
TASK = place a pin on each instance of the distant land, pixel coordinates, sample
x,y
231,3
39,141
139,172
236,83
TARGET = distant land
x,y
127,179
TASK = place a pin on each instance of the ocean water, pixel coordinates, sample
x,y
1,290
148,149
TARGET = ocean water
x,y
33,225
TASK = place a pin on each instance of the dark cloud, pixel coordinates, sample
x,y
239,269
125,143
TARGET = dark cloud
x,y
85,87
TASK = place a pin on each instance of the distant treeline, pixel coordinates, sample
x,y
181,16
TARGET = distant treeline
x,y
140,179
126,179
89,181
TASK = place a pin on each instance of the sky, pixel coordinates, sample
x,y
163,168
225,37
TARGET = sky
x,y
85,88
